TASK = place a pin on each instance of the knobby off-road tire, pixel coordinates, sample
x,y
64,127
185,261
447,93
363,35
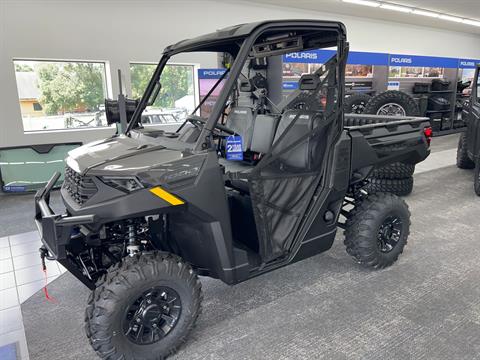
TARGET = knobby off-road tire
x,y
369,226
476,179
397,170
380,104
399,187
463,161
355,103
167,295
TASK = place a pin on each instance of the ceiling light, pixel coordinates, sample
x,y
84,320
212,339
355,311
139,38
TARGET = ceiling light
x,y
425,13
396,8
471,22
363,2
451,18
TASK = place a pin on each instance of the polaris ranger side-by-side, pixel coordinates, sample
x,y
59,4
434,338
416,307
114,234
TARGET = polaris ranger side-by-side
x,y
261,183
468,152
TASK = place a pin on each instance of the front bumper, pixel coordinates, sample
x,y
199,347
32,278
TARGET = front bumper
x,y
55,230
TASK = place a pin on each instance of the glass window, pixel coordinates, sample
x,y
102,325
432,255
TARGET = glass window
x,y
61,94
177,94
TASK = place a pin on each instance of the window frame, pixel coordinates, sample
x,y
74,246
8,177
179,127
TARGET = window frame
x,y
107,88
195,66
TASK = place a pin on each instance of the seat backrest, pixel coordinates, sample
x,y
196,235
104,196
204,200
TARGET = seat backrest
x,y
241,120
308,154
263,132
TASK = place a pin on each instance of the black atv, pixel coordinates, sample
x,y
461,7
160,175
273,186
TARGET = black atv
x,y
263,182
468,152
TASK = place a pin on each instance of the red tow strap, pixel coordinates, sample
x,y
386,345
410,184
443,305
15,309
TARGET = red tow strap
x,y
45,290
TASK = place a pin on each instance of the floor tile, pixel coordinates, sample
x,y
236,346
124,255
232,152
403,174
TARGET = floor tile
x,y
7,280
24,238
25,248
5,253
6,265
11,320
27,290
17,337
27,260
8,298
34,273
4,242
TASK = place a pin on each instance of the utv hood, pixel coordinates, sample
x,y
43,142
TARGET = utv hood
x,y
119,155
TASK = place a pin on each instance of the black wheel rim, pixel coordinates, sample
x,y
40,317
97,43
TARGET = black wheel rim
x,y
152,316
389,233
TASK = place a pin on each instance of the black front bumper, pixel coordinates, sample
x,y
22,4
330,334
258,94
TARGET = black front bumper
x,y
56,230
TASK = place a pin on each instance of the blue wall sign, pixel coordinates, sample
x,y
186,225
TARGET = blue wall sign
x,y
210,73
290,85
321,56
420,61
467,63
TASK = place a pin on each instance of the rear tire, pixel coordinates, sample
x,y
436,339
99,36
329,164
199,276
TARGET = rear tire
x,y
396,170
392,103
463,160
399,187
476,180
377,230
157,291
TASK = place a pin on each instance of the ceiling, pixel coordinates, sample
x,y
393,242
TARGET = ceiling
x,y
462,8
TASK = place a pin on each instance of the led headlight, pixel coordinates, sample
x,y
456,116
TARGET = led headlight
x,y
123,183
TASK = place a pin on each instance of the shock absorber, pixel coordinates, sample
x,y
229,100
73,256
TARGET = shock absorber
x,y
132,247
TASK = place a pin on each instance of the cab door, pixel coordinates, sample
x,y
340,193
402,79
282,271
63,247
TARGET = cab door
x,y
472,116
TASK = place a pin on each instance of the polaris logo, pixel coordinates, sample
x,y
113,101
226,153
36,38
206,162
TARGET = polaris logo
x,y
213,72
302,55
467,63
400,60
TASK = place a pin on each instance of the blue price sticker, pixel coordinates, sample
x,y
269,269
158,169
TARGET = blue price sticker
x,y
233,148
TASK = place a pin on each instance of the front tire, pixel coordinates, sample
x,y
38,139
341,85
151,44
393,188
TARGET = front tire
x,y
463,160
476,179
143,308
377,230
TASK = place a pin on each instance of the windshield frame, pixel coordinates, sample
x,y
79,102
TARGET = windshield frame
x,y
241,57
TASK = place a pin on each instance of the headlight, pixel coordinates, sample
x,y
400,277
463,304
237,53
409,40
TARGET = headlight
x,y
123,183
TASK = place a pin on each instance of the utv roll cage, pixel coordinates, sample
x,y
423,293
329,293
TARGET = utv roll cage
x,y
256,40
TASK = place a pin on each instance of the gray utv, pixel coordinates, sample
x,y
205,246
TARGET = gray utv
x,y
263,182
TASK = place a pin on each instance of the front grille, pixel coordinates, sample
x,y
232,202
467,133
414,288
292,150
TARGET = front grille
x,y
79,187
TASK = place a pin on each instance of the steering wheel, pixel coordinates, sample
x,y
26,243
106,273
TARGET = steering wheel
x,y
200,122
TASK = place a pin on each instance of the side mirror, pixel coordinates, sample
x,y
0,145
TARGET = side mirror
x,y
112,110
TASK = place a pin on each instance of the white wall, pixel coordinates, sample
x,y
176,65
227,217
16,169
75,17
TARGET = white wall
x,y
121,31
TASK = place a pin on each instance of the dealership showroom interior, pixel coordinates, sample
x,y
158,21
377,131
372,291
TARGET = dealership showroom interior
x,y
239,179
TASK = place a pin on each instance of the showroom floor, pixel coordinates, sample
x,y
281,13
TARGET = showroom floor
x,y
425,306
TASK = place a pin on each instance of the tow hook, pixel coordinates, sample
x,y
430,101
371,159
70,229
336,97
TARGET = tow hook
x,y
45,255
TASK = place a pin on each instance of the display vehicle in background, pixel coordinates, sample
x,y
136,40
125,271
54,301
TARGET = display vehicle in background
x,y
259,184
468,152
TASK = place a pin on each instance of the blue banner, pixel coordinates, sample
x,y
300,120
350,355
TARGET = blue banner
x,y
420,61
290,85
367,58
468,63
210,73
310,56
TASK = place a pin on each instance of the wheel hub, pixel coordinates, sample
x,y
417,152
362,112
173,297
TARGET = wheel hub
x,y
389,234
391,109
152,316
